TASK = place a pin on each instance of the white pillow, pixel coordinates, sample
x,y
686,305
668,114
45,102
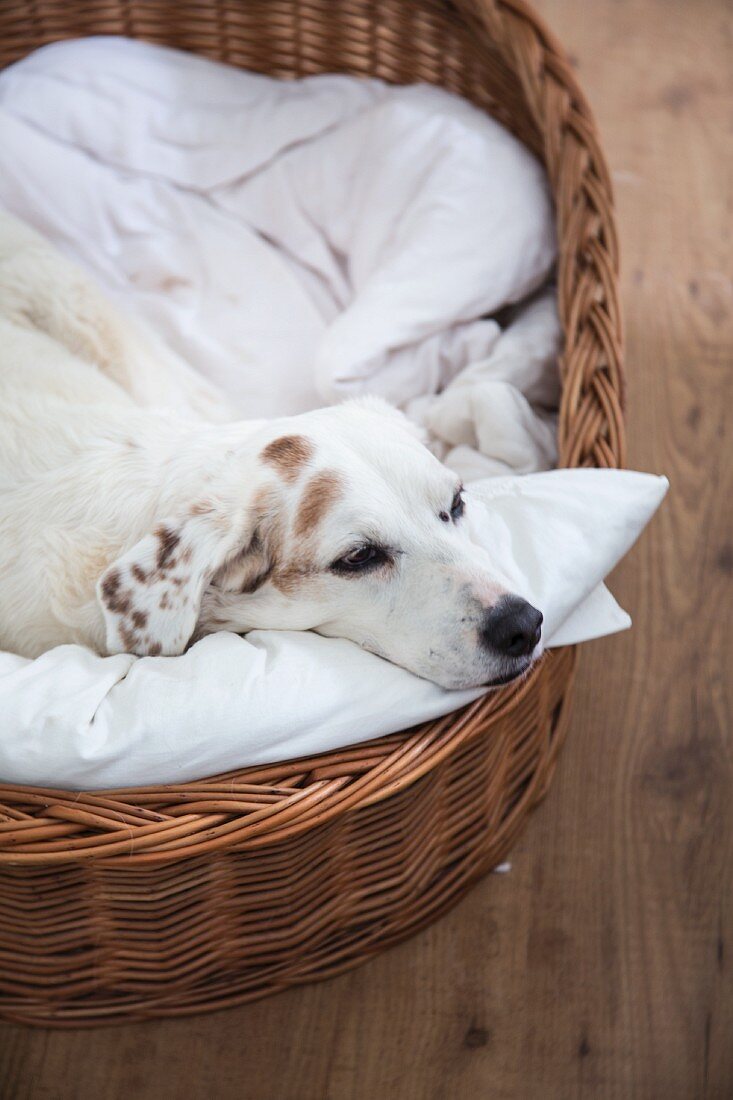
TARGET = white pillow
x,y
72,719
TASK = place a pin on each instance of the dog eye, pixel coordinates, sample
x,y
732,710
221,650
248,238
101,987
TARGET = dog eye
x,y
457,508
361,557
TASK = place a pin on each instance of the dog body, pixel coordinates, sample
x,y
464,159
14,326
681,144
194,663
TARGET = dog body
x,y
131,522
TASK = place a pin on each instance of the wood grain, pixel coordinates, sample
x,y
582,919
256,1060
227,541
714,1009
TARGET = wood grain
x,y
601,966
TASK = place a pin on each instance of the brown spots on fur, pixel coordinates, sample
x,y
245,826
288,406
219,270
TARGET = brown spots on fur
x,y
288,455
252,583
140,574
154,648
111,584
130,638
201,508
266,558
120,602
248,570
289,579
169,541
320,493
253,567
266,547
116,599
139,619
165,602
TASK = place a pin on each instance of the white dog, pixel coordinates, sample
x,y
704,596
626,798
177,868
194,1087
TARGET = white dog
x,y
131,522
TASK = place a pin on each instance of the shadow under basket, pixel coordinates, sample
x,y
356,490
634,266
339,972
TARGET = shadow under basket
x,y
165,901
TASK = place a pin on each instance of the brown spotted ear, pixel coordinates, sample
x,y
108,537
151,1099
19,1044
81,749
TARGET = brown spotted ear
x,y
151,596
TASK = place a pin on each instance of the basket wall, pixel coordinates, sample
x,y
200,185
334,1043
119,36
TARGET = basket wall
x,y
171,900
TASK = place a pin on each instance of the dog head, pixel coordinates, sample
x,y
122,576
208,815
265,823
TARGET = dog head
x,y
344,524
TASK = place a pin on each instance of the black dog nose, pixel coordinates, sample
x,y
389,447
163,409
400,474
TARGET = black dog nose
x,y
513,627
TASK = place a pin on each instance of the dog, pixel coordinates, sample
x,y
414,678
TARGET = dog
x,y
136,516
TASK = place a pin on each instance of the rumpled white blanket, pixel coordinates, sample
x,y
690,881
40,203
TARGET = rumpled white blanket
x,y
301,242
298,243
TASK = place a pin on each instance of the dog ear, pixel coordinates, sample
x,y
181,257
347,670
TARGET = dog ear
x,y
151,596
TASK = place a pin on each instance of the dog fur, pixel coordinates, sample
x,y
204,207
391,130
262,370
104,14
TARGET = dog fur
x,y
135,516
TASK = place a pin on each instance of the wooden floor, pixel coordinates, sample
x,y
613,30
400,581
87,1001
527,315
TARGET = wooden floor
x,y
601,966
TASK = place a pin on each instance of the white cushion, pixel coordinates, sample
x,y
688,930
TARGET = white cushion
x,y
73,719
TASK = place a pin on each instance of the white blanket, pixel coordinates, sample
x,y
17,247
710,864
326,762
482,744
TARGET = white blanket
x,y
300,242
297,243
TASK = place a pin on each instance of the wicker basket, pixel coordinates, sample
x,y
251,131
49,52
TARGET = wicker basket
x,y
173,900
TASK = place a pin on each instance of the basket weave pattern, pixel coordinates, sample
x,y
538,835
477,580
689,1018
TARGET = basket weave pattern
x,y
170,900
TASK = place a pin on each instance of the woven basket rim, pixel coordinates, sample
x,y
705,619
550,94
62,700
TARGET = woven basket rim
x,y
41,826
